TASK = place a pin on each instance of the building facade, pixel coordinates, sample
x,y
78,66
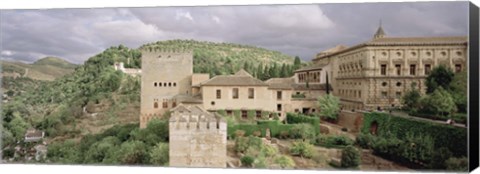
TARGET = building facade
x,y
375,74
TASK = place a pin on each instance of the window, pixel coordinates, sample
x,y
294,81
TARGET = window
x,y
279,95
258,114
155,84
174,84
165,84
169,84
251,93
384,83
383,69
359,94
165,104
155,105
244,114
458,68
398,94
413,67
160,84
399,84
279,107
427,69
212,103
398,68
219,94
174,104
384,94
229,112
235,93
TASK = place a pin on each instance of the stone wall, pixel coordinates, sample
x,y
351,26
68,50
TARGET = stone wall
x,y
197,140
165,73
351,120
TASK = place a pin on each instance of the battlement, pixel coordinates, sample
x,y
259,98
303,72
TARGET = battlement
x,y
194,118
162,50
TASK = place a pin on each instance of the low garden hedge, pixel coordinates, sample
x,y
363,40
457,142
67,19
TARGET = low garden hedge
x,y
293,118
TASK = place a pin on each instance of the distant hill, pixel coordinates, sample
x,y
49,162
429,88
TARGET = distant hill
x,y
48,68
226,58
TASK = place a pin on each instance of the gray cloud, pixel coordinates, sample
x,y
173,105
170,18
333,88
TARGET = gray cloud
x,y
304,30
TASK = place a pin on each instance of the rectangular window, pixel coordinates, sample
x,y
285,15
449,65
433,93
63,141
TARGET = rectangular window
x,y
165,104
458,68
279,107
235,93
279,95
413,69
398,94
383,69
174,104
251,93
219,94
244,114
384,94
398,68
359,94
229,112
258,114
428,68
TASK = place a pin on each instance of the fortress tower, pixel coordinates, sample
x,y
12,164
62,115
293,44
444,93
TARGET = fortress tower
x,y
197,138
165,74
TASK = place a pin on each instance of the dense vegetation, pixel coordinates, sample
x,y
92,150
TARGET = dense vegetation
x,y
227,58
61,107
56,107
446,96
121,144
411,141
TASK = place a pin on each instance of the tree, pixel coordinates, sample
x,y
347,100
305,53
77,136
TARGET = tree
x,y
350,157
133,152
160,154
458,89
259,73
283,71
439,102
329,106
303,149
411,99
297,63
18,126
441,76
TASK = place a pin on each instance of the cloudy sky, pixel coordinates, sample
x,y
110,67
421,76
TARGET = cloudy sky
x,y
303,30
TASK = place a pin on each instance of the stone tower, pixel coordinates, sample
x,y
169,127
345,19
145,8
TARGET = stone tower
x,y
165,73
380,33
197,138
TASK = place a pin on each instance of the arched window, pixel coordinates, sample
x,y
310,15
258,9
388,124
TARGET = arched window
x,y
169,84
155,105
165,84
174,84
155,84
160,84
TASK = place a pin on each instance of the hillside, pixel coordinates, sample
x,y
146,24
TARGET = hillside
x,y
48,68
95,97
227,58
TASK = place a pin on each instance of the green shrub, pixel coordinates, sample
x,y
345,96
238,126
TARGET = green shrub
x,y
333,140
251,114
241,144
350,157
160,154
284,135
452,137
364,140
239,133
247,161
293,118
302,131
457,164
439,158
303,149
285,161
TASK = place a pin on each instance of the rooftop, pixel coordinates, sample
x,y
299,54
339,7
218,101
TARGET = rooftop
x,y
241,78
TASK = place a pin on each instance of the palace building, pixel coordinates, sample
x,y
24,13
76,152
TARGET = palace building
x,y
375,74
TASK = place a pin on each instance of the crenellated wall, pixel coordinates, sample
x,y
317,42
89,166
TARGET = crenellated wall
x,y
197,139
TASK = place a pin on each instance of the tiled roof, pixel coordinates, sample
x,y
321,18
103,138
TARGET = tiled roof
x,y
311,67
406,41
311,87
280,83
241,78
